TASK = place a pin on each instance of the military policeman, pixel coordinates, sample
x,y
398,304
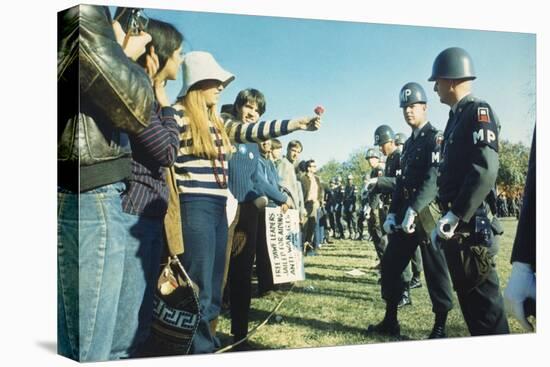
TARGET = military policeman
x,y
329,207
400,139
362,212
416,260
339,203
374,210
350,199
467,175
384,137
413,208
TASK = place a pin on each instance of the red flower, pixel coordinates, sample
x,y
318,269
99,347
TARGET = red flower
x,y
319,110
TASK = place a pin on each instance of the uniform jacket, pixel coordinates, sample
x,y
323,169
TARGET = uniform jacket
x,y
416,186
374,197
386,184
350,198
338,198
469,161
329,199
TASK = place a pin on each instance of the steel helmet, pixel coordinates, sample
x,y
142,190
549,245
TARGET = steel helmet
x,y
383,134
412,93
453,63
372,153
400,138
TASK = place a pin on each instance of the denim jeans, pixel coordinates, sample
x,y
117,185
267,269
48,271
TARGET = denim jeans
x,y
104,262
204,225
141,269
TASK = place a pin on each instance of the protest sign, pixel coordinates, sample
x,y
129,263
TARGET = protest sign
x,y
284,245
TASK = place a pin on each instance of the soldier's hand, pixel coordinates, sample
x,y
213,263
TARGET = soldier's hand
x,y
521,285
389,223
408,221
446,226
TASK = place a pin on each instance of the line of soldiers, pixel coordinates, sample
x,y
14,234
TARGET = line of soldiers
x,y
438,197
509,206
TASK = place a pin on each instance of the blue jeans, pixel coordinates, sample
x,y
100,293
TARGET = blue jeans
x,y
204,225
97,246
141,270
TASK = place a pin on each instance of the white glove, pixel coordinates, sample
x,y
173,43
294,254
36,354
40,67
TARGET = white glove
x,y
521,285
367,211
446,225
389,224
408,221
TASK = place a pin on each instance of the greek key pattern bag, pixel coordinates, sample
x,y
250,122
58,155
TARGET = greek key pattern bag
x,y
175,311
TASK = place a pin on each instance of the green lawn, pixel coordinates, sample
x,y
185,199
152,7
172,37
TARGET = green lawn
x,y
330,308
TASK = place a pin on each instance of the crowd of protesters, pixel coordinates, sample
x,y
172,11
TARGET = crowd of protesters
x,y
155,179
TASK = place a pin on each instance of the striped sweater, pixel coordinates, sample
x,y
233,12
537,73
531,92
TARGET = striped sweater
x,y
153,149
195,176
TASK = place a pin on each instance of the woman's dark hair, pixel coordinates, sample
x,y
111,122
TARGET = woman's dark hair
x,y
249,95
166,40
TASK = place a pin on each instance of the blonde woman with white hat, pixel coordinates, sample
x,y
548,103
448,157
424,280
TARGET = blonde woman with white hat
x,y
201,177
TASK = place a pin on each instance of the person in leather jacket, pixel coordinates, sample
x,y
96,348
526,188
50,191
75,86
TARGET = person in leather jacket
x,y
103,96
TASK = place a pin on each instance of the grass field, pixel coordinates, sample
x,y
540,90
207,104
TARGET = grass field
x,y
331,308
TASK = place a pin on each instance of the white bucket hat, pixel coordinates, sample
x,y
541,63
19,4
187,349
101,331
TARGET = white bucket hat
x,y
200,65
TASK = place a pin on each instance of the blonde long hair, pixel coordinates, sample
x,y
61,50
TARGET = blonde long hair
x,y
198,116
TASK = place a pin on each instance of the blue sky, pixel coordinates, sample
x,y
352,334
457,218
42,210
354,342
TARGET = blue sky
x,y
355,70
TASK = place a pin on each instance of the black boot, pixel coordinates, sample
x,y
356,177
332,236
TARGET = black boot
x,y
438,330
389,326
405,299
385,328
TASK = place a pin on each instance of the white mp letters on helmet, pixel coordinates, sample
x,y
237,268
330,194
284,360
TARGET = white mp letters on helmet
x,y
405,94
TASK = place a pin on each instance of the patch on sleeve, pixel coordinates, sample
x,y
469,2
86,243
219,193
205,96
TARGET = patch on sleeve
x,y
483,114
485,130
